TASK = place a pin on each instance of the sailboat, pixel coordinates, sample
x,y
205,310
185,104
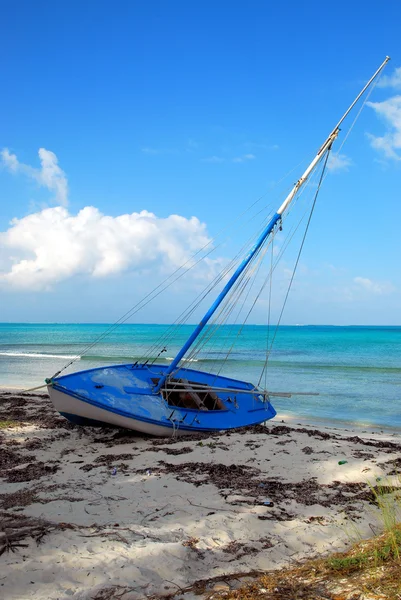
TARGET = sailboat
x,y
167,400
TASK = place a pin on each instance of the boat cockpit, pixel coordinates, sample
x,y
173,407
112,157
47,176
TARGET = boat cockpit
x,y
189,394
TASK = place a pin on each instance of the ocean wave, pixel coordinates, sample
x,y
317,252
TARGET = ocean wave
x,y
38,355
333,367
185,359
139,359
239,362
235,361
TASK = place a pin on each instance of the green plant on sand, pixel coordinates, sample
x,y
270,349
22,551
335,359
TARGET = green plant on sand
x,y
6,424
370,569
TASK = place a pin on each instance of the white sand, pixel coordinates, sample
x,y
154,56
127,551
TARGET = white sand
x,y
156,532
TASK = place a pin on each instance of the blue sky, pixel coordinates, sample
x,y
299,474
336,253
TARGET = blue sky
x,y
192,109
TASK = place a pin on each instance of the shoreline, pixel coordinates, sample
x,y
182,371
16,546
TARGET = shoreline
x,y
112,507
288,418
339,425
352,371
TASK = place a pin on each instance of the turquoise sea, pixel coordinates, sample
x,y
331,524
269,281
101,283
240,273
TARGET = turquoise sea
x,y
355,370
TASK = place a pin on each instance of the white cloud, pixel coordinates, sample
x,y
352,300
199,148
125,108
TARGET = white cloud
x,y
52,245
393,80
9,160
244,158
390,142
339,162
50,175
374,287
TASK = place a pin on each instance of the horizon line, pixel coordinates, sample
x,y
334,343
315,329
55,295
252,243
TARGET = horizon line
x,y
111,324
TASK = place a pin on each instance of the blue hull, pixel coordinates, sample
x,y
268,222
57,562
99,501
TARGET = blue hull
x,y
124,395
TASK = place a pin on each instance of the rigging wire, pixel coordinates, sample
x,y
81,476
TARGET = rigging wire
x,y
226,310
164,285
337,153
210,332
269,276
181,319
240,286
246,317
197,301
232,301
160,288
269,308
296,262
322,178
220,317
288,240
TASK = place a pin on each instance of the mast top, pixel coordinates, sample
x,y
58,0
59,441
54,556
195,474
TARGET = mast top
x,y
337,127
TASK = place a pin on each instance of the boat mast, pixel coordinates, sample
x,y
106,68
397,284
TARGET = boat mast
x,y
264,235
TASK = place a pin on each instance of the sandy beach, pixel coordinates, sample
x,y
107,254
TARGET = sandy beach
x,y
103,513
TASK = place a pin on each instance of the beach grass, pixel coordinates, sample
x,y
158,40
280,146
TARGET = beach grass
x,y
370,569
5,424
